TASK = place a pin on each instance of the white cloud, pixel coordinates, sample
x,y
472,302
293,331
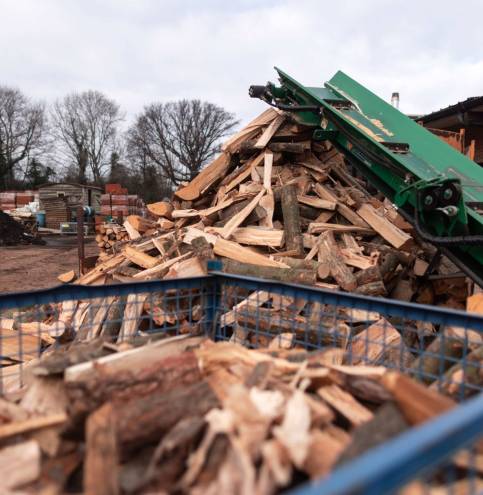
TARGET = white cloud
x,y
137,51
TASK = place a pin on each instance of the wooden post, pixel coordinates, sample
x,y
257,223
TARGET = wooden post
x,y
80,238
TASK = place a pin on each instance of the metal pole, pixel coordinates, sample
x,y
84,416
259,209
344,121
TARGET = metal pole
x,y
80,238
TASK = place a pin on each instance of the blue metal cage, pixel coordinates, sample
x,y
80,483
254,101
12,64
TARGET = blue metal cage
x,y
437,346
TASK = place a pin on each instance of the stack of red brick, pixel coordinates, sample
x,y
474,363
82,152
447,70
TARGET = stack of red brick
x,y
116,201
9,200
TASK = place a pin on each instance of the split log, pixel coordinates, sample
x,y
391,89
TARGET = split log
x,y
396,237
328,253
417,402
381,343
139,258
206,178
234,251
269,132
291,219
101,465
142,421
161,209
294,275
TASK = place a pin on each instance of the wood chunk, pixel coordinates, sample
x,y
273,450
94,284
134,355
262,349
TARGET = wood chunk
x,y
29,425
132,232
316,202
254,236
236,221
132,316
329,254
269,132
206,178
417,402
380,343
324,450
387,423
139,420
101,465
232,145
396,237
288,274
345,404
67,277
420,267
234,251
139,258
319,227
191,267
19,465
291,219
161,209
159,270
139,223
294,432
295,148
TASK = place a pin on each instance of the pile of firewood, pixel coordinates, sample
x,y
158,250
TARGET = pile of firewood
x,y
279,205
186,415
109,234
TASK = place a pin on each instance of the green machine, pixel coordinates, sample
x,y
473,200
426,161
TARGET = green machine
x,y
436,188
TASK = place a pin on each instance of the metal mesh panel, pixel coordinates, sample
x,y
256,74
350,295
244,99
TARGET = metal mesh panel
x,y
437,346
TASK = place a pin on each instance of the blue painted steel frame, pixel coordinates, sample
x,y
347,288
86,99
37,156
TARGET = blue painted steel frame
x,y
388,467
383,469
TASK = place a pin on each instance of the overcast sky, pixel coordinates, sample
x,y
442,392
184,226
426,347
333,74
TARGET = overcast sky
x,y
139,51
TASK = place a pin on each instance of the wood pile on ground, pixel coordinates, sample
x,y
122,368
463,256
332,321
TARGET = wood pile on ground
x,y
13,233
277,204
108,234
186,415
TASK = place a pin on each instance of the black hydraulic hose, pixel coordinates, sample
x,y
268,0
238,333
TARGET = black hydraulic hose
x,y
468,240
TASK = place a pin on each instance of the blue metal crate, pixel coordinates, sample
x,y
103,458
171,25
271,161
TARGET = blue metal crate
x,y
254,312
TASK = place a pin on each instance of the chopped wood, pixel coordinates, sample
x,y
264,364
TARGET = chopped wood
x,y
291,218
161,209
140,258
234,251
67,277
316,202
269,132
101,466
345,404
31,424
234,222
255,236
133,233
205,178
396,237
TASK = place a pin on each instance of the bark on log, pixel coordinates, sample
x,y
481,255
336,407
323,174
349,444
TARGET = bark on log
x,y
101,386
295,275
291,219
141,421
372,289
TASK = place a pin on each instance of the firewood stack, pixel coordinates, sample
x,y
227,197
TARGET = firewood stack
x,y
109,234
186,415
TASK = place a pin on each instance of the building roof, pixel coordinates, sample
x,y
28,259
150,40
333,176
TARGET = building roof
x,y
458,108
85,186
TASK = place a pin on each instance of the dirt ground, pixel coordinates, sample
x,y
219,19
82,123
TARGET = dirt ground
x,y
23,268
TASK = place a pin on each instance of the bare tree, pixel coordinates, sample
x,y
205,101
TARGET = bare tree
x,y
21,128
179,137
84,126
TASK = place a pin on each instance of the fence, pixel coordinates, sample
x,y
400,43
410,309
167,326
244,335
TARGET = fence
x,y
437,346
